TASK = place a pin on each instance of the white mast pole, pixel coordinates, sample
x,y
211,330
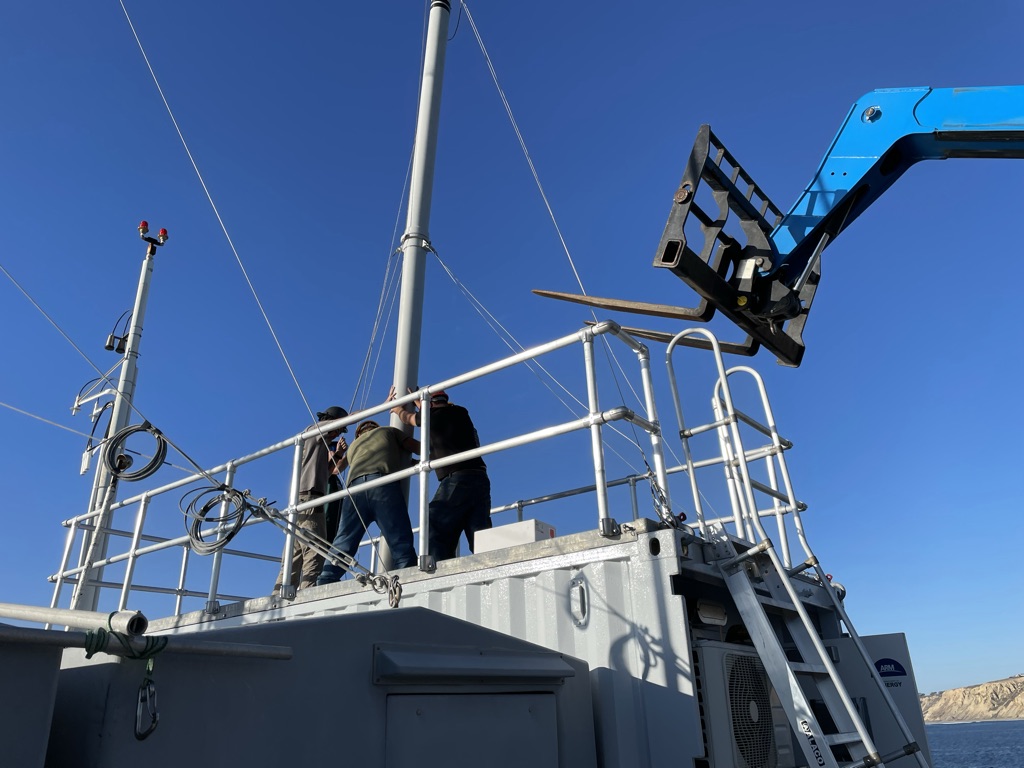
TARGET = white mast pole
x,y
85,596
416,240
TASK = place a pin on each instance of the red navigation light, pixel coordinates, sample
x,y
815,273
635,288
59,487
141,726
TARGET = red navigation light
x,y
162,237
143,227
163,233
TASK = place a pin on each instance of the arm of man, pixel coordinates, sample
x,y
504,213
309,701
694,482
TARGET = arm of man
x,y
407,416
340,455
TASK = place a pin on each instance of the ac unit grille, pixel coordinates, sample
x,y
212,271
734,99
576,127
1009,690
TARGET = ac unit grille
x,y
751,710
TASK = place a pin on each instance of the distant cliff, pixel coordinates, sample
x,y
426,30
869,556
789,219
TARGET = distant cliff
x,y
998,700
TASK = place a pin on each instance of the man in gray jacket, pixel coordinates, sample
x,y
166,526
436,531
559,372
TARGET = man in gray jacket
x,y
317,456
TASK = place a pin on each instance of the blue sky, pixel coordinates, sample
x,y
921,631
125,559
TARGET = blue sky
x,y
904,413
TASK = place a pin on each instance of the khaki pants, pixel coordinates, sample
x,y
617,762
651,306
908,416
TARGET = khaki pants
x,y
306,564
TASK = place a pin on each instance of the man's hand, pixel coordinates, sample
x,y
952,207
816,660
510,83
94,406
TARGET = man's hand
x,y
399,409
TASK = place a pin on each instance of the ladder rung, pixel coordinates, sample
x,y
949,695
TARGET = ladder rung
x,y
776,603
808,669
832,739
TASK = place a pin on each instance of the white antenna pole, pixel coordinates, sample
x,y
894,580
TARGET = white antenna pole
x,y
86,596
416,240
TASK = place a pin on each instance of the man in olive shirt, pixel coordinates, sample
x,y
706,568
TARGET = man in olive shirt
x,y
376,451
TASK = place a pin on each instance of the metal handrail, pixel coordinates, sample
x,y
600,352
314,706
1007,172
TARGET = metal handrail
x,y
593,421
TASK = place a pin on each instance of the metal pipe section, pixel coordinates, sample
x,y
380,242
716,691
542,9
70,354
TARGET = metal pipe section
x,y
218,556
131,623
416,240
140,519
657,446
95,544
508,362
289,539
606,525
683,434
87,597
425,560
175,644
179,593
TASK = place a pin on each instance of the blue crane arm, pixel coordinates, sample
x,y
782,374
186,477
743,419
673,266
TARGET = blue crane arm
x,y
885,132
759,267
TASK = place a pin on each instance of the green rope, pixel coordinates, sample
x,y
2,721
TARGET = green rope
x,y
96,641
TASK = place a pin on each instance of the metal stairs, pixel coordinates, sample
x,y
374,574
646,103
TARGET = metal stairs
x,y
760,586
770,593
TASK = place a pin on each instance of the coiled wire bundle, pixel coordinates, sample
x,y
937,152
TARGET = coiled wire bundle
x,y
220,506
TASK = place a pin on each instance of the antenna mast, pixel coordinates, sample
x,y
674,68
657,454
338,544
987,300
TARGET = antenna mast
x,y
416,240
104,490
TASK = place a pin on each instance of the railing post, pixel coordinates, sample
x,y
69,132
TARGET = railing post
x,y
287,588
633,499
212,604
129,572
606,524
180,593
68,545
657,442
426,562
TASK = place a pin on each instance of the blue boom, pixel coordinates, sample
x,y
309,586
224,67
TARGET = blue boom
x,y
763,272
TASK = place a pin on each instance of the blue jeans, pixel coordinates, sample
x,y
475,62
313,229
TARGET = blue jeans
x,y
462,504
384,505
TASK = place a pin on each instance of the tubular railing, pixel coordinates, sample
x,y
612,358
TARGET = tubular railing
x,y
736,460
731,458
142,544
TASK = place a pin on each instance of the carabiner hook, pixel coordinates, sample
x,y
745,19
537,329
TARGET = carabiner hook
x,y
146,709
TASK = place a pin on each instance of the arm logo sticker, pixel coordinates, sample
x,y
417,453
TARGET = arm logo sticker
x,y
891,668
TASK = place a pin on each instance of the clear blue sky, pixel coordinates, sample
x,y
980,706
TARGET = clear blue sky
x,y
904,413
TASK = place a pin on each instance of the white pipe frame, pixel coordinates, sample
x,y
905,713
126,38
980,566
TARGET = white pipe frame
x,y
592,421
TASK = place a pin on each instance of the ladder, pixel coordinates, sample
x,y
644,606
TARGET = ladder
x,y
760,582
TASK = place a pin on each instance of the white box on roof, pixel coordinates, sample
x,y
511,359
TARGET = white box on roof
x,y
525,532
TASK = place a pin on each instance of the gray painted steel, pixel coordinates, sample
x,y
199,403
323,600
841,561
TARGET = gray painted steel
x,y
326,706
28,685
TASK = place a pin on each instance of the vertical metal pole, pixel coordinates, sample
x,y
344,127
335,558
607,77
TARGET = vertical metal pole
x,y
426,562
87,597
657,442
58,587
180,594
287,588
212,605
416,239
606,525
129,572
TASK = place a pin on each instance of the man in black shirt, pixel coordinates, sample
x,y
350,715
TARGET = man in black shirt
x,y
462,502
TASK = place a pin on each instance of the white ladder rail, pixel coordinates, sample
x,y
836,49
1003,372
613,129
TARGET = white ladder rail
x,y
817,662
841,696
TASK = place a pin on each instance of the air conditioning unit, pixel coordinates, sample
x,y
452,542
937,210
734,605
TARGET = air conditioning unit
x,y
743,721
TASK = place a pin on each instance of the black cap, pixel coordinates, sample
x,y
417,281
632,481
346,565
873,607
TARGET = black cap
x,y
332,413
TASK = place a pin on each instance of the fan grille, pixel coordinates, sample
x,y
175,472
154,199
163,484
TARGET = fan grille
x,y
751,710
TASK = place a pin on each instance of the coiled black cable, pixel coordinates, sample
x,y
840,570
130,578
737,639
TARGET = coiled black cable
x,y
237,510
113,451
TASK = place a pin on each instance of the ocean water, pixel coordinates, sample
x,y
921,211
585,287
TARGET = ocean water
x,y
992,744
